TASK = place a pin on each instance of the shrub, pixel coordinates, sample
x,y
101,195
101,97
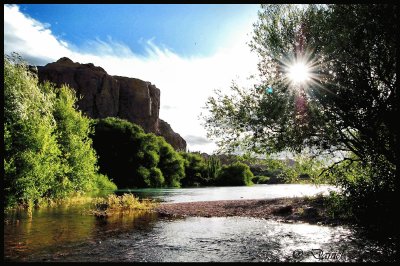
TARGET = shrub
x,y
171,164
195,169
237,174
133,158
113,204
213,168
261,179
104,185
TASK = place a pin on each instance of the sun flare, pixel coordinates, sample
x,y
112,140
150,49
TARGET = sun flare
x,y
298,73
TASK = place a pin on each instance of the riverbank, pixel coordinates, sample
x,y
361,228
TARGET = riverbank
x,y
305,209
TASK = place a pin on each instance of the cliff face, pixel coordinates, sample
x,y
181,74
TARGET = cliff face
x,y
101,95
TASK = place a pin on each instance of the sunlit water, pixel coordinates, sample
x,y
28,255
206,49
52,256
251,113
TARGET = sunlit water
x,y
173,195
69,234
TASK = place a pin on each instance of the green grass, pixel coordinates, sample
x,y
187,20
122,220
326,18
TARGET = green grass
x,y
99,206
113,204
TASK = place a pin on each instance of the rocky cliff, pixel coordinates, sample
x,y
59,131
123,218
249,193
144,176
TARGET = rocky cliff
x,y
102,95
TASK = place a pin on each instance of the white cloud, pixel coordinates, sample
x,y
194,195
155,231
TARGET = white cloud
x,y
30,37
185,83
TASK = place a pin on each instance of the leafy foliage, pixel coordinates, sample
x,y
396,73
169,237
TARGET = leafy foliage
x,y
195,170
213,168
77,155
349,106
171,164
236,174
116,205
48,154
350,103
261,179
200,171
31,155
134,158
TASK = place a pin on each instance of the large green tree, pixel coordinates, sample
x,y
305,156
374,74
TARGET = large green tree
x,y
118,145
31,154
171,163
79,171
133,158
349,103
47,151
236,174
195,169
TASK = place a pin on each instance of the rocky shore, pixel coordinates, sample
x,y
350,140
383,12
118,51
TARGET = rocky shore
x,y
310,210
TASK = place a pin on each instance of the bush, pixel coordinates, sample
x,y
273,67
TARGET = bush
x,y
116,205
338,206
103,184
261,179
117,143
213,168
237,174
195,170
171,164
133,158
368,195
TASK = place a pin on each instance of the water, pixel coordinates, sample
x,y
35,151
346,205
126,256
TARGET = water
x,y
260,191
69,234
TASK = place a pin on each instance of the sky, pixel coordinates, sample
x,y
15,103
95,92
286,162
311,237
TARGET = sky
x,y
187,51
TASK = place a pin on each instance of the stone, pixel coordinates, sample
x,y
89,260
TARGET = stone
x,y
101,95
170,136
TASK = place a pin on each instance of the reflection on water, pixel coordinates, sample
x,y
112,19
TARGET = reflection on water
x,y
70,234
259,191
146,238
51,229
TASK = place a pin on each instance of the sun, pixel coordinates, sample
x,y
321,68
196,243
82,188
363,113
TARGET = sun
x,y
298,73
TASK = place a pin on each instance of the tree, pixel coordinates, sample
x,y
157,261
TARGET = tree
x,y
48,153
31,154
236,174
195,169
118,144
79,172
171,164
133,158
349,105
213,166
352,101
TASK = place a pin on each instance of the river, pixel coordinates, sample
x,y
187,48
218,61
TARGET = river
x,y
68,233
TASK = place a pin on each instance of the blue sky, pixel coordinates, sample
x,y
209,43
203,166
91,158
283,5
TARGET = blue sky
x,y
187,51
187,29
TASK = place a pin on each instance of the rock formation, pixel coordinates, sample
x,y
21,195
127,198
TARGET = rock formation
x,y
101,95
